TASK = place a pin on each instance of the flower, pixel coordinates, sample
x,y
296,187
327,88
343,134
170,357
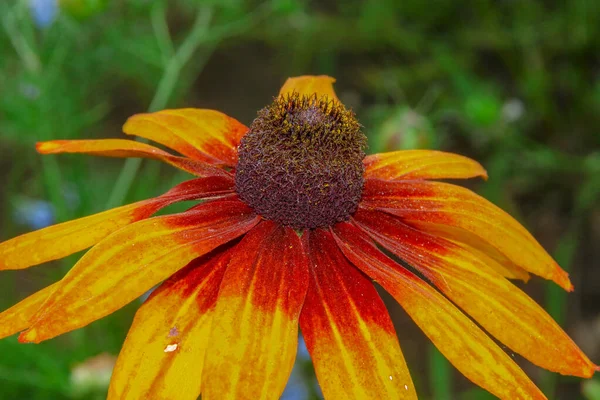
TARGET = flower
x,y
289,234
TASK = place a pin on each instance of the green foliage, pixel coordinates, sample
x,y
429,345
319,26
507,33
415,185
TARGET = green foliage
x,y
514,84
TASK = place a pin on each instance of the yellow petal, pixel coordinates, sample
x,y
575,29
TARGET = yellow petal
x,y
132,260
458,214
60,240
348,331
204,135
128,148
252,345
495,303
19,317
421,164
307,85
163,355
466,346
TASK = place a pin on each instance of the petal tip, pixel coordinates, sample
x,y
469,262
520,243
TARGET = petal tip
x,y
48,147
562,279
483,174
29,336
322,85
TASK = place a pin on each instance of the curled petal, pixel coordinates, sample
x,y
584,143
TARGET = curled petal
x,y
348,331
255,326
206,135
60,240
19,316
495,303
458,214
320,85
132,260
421,164
466,346
163,354
128,148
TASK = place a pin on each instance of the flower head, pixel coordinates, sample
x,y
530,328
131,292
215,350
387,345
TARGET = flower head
x,y
301,162
288,234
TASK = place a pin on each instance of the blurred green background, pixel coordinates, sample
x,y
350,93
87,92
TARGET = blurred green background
x,y
513,84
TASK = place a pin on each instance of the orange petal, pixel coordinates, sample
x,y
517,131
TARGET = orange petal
x,y
204,135
255,327
19,316
60,240
459,214
495,303
132,260
466,346
348,331
127,148
163,354
421,164
321,85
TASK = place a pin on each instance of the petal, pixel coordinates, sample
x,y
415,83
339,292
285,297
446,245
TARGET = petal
x,y
496,304
163,354
421,164
132,260
308,85
459,214
19,316
466,346
60,240
255,329
505,269
348,331
127,148
204,135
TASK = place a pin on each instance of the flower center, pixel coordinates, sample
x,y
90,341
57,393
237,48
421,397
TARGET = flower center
x,y
301,162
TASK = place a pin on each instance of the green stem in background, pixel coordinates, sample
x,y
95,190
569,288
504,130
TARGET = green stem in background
x,y
33,65
26,53
200,34
440,375
161,98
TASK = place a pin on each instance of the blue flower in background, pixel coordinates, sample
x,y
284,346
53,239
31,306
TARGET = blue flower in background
x,y
297,387
36,214
303,354
43,12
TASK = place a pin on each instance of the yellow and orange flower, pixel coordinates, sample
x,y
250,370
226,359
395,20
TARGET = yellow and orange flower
x,y
288,235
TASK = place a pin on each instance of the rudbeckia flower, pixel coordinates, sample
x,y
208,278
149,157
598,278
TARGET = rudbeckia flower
x,y
293,226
